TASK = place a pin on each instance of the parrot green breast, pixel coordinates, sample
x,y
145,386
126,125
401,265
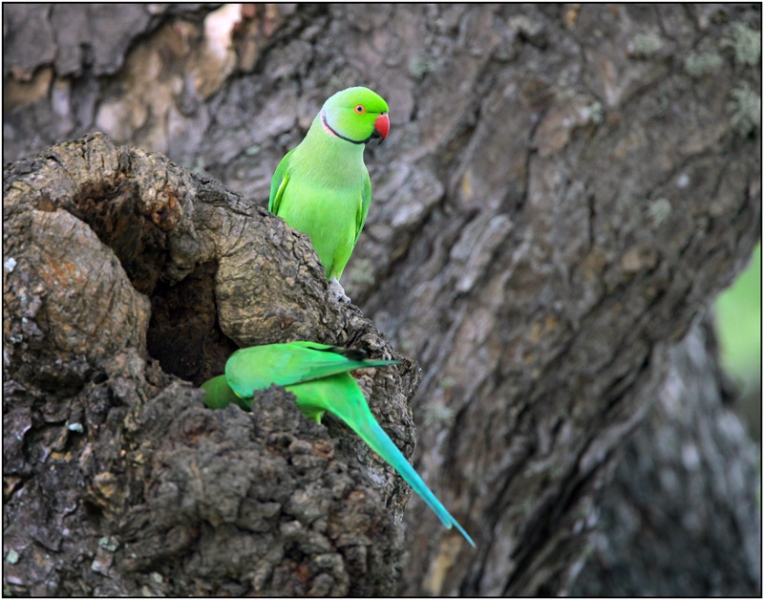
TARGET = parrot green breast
x,y
324,197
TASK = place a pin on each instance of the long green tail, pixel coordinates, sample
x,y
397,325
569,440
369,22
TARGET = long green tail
x,y
375,436
341,395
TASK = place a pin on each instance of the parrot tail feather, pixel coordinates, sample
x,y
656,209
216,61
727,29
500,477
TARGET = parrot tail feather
x,y
381,443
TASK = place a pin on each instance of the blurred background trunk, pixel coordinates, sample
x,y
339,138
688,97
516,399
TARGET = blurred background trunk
x,y
564,191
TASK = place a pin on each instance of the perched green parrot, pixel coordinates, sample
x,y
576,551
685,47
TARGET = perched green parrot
x,y
322,186
318,375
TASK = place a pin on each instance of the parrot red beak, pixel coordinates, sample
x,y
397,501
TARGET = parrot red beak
x,y
381,127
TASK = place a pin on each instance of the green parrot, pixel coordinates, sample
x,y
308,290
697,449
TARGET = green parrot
x,y
322,186
318,375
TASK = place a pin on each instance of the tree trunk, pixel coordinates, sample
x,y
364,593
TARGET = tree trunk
x,y
679,519
119,481
563,192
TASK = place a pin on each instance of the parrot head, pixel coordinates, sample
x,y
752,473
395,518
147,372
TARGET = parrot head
x,y
356,115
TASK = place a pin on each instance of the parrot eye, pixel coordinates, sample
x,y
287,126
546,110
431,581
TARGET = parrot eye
x,y
360,109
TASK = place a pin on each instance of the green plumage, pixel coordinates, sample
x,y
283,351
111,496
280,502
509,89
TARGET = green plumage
x,y
318,376
322,187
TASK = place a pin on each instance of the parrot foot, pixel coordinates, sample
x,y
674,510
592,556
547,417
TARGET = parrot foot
x,y
337,291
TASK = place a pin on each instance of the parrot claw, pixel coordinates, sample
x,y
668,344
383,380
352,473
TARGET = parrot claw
x,y
337,291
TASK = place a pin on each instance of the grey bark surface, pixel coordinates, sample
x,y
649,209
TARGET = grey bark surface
x,y
118,479
563,192
666,527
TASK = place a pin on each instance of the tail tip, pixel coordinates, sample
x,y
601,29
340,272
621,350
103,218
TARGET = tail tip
x,y
463,532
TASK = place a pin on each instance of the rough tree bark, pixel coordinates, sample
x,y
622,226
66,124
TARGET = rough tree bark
x,y
680,501
115,256
564,190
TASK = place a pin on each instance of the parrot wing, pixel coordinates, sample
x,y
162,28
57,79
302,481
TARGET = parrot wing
x,y
256,368
279,183
363,209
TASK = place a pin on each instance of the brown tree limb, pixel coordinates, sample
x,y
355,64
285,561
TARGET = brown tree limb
x,y
154,491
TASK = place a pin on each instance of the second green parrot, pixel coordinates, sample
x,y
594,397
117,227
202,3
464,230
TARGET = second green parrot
x,y
322,187
318,375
